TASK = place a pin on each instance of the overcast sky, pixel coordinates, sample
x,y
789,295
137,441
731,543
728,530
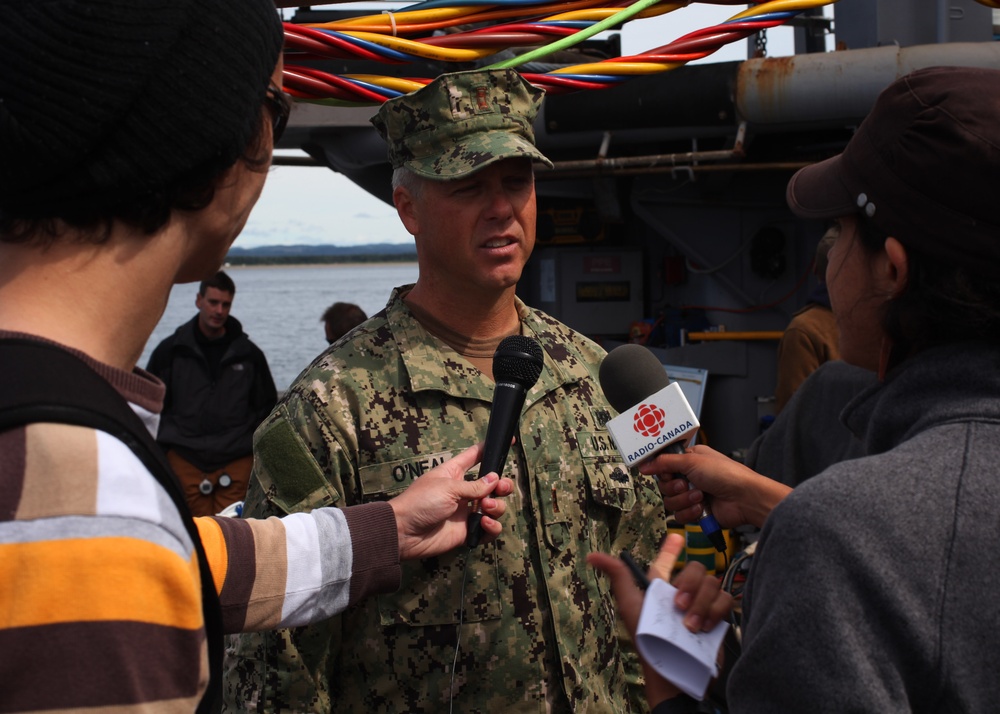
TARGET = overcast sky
x,y
312,205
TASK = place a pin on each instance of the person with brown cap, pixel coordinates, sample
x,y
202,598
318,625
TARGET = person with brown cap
x,y
135,137
871,588
521,624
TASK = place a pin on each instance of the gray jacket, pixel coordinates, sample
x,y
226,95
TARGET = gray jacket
x,y
808,436
873,587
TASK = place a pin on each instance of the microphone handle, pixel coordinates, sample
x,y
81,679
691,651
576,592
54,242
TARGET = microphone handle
x,y
508,398
709,526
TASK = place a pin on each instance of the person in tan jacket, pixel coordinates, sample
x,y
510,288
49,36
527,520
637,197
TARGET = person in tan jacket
x,y
811,337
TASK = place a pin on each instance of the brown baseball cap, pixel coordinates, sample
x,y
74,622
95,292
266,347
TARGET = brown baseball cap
x,y
924,166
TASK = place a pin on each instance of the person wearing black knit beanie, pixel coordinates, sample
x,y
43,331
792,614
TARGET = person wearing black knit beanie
x,y
135,137
103,105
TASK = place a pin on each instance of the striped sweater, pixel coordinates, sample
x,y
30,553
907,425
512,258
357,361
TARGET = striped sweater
x,y
100,595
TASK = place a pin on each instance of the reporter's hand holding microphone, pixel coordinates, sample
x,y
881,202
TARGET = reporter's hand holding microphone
x,y
517,363
632,376
654,425
428,514
654,418
432,513
738,494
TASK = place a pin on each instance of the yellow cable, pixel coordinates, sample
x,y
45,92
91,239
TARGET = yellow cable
x,y
780,6
403,18
375,25
601,13
616,68
419,49
397,83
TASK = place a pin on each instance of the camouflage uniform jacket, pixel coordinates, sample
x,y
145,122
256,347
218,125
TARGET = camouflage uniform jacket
x,y
383,405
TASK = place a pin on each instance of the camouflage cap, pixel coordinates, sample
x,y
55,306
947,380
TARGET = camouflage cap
x,y
461,122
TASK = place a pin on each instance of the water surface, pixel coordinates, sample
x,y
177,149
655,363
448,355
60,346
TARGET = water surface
x,y
280,307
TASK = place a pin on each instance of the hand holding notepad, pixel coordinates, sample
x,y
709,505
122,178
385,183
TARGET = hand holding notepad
x,y
685,658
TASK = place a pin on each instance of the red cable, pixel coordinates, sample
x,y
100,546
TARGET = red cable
x,y
325,85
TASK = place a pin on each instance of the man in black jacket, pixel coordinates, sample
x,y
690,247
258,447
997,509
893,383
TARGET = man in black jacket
x,y
219,389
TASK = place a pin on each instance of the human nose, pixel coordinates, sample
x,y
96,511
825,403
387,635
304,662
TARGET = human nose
x,y
501,205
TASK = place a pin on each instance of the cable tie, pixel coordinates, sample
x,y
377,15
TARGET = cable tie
x,y
392,19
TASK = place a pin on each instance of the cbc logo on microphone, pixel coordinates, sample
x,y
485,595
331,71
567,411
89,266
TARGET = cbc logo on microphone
x,y
649,420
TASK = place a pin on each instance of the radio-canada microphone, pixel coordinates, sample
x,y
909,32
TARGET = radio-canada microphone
x,y
653,415
516,365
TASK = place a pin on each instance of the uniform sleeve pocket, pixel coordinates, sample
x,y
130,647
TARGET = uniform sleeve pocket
x,y
301,484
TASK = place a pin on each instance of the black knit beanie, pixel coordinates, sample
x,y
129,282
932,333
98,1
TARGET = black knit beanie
x,y
106,100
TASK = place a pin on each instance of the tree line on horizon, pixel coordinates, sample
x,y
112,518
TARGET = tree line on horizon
x,y
322,253
320,259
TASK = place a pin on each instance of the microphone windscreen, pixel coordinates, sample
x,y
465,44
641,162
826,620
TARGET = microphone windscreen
x,y
518,359
629,374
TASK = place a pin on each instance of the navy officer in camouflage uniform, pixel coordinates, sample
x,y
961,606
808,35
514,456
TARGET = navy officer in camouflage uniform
x,y
411,387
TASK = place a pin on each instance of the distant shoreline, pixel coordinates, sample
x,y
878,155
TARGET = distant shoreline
x,y
243,261
333,264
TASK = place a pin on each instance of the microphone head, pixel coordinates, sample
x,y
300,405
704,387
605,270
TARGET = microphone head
x,y
518,359
629,374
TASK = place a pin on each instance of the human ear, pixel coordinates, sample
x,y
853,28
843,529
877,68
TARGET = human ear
x,y
897,270
406,209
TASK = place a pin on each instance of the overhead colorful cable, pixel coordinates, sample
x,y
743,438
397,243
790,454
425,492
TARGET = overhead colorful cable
x,y
480,29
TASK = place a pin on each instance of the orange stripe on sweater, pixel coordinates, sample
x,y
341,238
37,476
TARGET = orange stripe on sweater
x,y
104,578
214,543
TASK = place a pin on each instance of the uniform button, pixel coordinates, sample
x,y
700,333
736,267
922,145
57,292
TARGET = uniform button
x,y
225,481
206,487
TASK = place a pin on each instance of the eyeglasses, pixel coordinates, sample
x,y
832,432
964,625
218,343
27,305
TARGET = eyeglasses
x,y
279,107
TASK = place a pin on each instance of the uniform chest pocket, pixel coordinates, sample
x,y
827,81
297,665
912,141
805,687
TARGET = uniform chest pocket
x,y
575,509
613,496
611,484
430,591
608,479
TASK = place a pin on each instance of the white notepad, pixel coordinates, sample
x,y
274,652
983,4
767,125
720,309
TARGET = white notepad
x,y
683,657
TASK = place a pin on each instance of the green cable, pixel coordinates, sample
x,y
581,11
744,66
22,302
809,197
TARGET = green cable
x,y
616,19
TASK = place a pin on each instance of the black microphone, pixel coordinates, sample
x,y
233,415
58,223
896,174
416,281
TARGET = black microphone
x,y
630,376
516,365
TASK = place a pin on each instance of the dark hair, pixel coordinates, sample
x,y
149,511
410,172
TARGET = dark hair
x,y
127,140
941,303
191,191
340,318
219,281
